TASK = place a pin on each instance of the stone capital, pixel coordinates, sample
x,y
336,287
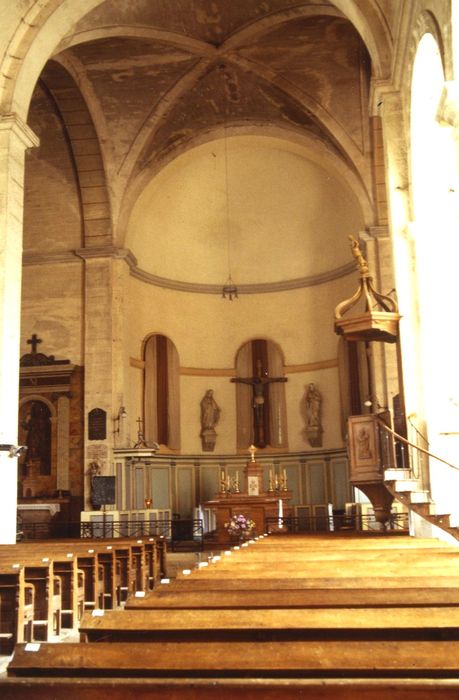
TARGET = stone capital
x,y
448,108
107,251
17,127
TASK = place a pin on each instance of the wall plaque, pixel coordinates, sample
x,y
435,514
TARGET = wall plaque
x,y
97,424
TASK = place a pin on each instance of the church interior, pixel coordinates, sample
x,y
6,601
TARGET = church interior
x,y
228,235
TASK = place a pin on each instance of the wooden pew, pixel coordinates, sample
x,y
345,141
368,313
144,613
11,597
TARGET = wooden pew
x,y
66,595
213,649
16,607
169,598
302,568
110,570
292,688
297,659
274,625
39,572
336,541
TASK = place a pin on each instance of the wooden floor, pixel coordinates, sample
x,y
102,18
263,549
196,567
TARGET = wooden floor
x,y
284,617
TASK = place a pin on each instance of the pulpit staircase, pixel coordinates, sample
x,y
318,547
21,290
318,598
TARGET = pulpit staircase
x,y
401,466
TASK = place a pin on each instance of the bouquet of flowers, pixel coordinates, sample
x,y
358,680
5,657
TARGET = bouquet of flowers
x,y
240,526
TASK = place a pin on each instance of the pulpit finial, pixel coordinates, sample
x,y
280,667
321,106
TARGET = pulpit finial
x,y
252,450
362,264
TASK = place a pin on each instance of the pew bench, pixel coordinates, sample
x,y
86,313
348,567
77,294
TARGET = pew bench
x,y
168,598
234,659
426,622
39,572
292,688
64,597
16,608
189,583
302,569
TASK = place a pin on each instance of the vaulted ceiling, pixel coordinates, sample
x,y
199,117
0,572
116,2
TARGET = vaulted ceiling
x,y
159,77
160,73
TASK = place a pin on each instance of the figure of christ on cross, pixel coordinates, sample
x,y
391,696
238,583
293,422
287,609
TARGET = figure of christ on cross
x,y
259,384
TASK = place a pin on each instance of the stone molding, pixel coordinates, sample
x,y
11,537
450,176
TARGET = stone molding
x,y
260,288
177,285
13,123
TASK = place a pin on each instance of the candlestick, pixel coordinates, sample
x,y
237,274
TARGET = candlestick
x,y
281,515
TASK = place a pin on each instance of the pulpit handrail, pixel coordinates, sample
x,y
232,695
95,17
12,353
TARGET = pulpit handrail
x,y
416,447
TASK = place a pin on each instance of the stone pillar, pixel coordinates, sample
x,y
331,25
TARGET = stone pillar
x,y
103,359
15,137
385,371
388,103
63,454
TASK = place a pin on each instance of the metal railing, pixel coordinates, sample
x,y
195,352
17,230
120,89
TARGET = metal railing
x,y
397,452
334,523
176,532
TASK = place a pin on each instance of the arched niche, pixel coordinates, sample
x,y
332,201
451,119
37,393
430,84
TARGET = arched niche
x,y
161,392
260,395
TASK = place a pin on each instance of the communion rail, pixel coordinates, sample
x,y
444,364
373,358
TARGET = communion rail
x,y
189,534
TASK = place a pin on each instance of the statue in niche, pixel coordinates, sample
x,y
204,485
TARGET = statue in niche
x,y
37,426
313,406
210,415
314,428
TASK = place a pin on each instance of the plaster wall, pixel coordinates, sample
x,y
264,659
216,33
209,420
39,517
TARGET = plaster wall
x,y
208,332
52,307
254,206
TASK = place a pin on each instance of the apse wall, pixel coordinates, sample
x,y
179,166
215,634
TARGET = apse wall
x,y
208,331
267,211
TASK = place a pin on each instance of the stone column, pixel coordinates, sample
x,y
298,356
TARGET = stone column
x,y
15,138
63,454
388,103
104,375
385,371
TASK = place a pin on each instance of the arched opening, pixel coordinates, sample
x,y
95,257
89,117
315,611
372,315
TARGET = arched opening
x,y
161,392
261,411
435,187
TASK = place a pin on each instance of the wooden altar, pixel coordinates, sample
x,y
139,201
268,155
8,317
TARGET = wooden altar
x,y
252,501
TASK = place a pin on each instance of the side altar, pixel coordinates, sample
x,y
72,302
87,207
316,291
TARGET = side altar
x,y
252,501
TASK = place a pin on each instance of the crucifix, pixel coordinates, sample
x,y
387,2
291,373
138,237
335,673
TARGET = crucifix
x,y
34,341
259,385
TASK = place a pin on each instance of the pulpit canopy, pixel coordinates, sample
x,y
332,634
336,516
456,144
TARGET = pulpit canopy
x,y
379,321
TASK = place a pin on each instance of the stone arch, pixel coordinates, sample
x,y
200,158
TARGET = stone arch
x,y
84,150
42,26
